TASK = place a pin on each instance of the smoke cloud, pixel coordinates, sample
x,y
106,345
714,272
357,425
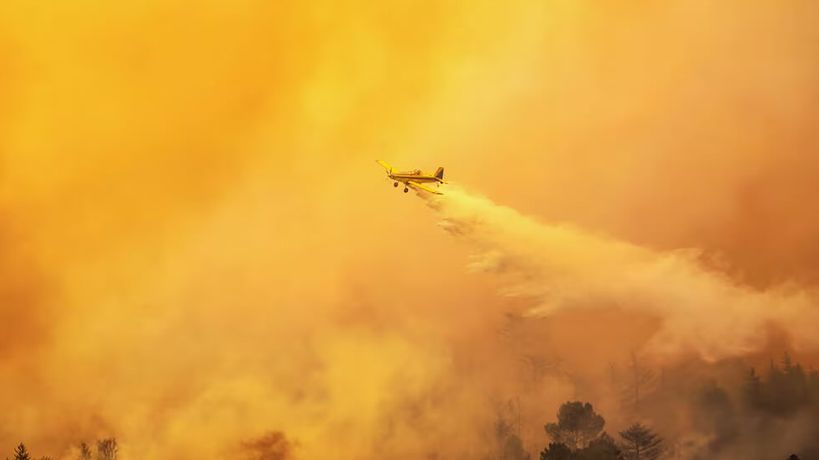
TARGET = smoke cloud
x,y
199,257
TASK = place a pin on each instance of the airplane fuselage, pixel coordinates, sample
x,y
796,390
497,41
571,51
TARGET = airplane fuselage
x,y
413,176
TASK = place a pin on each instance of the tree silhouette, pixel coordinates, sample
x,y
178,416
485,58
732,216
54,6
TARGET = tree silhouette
x,y
641,380
786,389
577,424
20,453
85,451
513,449
556,451
601,448
714,413
752,390
107,449
641,443
507,433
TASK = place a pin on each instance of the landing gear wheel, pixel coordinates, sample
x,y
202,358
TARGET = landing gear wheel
x,y
406,190
395,184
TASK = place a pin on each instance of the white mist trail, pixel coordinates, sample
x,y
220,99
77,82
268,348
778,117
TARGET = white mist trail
x,y
701,310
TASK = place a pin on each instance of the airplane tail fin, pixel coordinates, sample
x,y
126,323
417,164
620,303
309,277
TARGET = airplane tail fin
x,y
439,173
385,165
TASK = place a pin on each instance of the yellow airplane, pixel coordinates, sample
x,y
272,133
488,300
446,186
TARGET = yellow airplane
x,y
414,179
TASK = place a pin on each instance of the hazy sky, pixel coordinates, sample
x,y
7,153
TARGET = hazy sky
x,y
196,246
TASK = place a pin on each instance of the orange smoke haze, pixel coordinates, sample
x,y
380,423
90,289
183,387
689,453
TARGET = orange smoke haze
x,y
200,257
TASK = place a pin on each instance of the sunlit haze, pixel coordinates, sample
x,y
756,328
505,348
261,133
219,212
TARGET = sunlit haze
x,y
200,257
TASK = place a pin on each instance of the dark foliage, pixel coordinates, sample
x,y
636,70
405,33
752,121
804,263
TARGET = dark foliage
x,y
787,389
20,453
715,413
557,451
640,443
601,448
577,425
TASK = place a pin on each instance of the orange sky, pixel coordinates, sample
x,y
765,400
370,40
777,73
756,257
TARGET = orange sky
x,y
198,248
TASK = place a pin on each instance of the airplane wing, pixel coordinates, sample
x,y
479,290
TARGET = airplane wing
x,y
420,186
385,165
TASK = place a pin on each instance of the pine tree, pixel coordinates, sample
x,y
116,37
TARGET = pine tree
x,y
21,453
577,425
641,443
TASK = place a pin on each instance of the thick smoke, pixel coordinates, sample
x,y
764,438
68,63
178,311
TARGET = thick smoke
x,y
561,267
197,248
